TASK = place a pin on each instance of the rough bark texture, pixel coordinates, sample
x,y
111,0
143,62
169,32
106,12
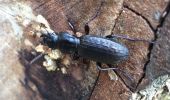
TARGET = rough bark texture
x,y
133,18
151,10
159,61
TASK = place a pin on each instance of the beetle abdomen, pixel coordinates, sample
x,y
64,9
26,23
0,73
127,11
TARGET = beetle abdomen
x,y
101,49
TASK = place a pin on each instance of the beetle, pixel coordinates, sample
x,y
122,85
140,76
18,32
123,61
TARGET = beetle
x,y
92,47
97,48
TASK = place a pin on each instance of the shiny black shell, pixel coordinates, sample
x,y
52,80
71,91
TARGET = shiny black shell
x,y
101,49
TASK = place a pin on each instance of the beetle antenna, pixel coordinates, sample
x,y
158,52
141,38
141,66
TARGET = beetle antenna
x,y
128,38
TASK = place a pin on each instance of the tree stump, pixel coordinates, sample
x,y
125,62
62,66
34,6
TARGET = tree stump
x,y
148,20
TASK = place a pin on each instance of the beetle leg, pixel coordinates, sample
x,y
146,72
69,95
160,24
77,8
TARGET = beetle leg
x,y
97,13
36,58
75,56
118,71
127,38
112,38
86,27
98,65
71,26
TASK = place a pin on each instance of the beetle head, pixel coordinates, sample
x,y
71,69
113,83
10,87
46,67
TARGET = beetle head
x,y
50,40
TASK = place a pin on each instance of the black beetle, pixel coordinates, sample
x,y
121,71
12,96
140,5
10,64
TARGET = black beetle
x,y
96,48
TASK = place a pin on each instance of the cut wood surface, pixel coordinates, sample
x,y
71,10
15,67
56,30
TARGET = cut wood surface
x,y
147,19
